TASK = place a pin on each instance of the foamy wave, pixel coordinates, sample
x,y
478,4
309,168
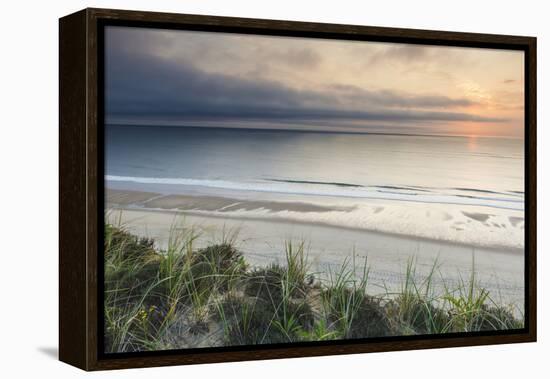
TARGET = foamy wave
x,y
458,196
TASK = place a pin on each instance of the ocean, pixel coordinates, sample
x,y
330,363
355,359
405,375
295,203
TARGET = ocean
x,y
460,189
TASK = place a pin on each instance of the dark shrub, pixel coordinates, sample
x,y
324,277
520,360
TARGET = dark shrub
x,y
410,313
370,320
492,318
249,322
266,283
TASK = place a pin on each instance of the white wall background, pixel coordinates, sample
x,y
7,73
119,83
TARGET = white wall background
x,y
28,190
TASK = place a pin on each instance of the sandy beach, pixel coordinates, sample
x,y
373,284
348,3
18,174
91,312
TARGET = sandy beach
x,y
499,270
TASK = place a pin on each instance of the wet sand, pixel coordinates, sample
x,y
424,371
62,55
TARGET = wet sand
x,y
153,200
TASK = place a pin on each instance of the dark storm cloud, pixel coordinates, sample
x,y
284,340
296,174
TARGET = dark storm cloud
x,y
147,85
141,84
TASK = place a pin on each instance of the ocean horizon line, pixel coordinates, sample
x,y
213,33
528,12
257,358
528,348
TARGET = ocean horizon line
x,y
347,132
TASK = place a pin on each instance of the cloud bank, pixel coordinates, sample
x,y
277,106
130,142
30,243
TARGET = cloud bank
x,y
141,83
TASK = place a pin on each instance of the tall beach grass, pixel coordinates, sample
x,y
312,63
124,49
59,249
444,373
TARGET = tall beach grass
x,y
184,296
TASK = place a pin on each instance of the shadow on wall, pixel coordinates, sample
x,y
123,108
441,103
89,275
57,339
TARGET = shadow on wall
x,y
50,351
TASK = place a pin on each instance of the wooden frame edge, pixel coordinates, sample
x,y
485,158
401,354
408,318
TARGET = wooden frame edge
x,y
72,194
531,175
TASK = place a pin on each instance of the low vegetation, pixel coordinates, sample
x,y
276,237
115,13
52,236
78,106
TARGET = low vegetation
x,y
186,297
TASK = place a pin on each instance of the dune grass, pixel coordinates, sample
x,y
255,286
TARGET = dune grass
x,y
186,297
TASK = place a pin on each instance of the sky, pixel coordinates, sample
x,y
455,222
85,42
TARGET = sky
x,y
205,79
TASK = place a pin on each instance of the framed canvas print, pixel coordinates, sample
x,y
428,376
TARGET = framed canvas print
x,y
237,189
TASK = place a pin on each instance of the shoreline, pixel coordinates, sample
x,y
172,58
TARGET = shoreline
x,y
227,208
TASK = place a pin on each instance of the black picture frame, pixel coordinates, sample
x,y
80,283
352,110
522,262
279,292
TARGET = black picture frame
x,y
81,195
